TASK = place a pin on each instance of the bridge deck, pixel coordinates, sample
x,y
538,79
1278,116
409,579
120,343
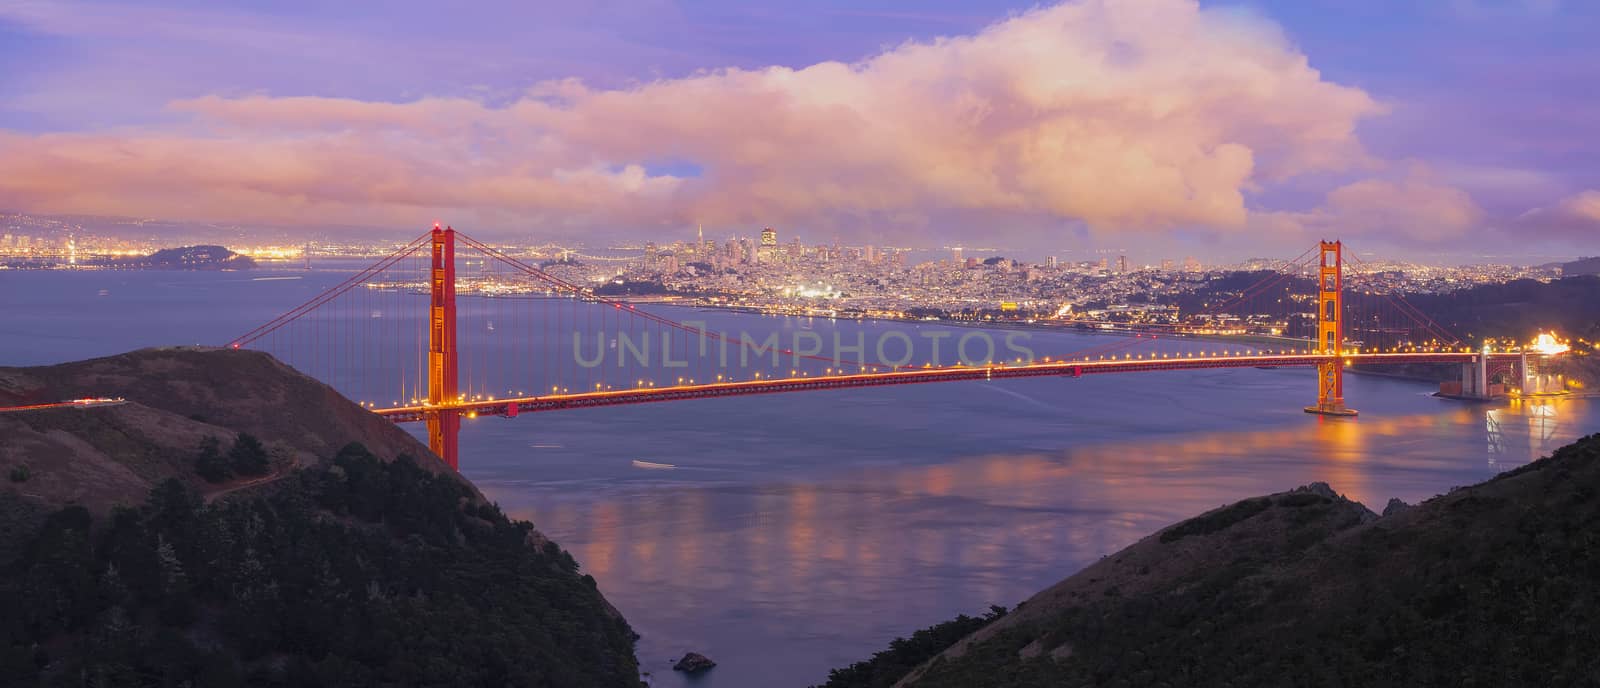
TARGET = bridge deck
x,y
642,395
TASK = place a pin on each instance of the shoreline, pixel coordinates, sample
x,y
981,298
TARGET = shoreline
x,y
1257,341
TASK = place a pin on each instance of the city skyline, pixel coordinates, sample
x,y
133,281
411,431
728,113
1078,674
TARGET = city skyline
x,y
53,236
1222,130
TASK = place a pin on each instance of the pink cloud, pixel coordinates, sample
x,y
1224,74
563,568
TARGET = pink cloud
x,y
1409,204
1124,114
1576,216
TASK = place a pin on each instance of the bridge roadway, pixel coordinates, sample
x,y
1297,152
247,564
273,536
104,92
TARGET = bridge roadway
x,y
642,395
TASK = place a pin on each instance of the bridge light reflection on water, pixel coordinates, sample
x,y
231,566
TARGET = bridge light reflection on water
x,y
816,540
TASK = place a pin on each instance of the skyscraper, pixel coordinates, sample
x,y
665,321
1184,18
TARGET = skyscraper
x,y
769,237
955,253
1122,264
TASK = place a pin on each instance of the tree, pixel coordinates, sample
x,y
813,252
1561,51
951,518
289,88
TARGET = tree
x,y
268,590
209,463
248,457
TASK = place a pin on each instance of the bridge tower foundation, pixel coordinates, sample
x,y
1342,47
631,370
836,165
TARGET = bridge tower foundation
x,y
444,423
1536,376
1475,379
1330,332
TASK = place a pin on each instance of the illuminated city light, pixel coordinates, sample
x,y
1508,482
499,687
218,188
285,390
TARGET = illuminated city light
x,y
1546,344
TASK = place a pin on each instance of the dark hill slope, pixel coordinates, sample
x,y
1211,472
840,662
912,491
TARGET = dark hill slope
x,y
1491,585
357,572
333,566
109,455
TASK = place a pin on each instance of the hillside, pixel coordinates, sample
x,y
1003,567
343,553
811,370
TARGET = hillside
x,y
108,455
336,552
1488,585
1519,308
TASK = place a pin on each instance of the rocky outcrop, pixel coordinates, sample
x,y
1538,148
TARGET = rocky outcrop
x,y
1396,506
693,663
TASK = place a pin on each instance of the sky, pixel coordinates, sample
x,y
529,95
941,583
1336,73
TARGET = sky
x,y
1448,129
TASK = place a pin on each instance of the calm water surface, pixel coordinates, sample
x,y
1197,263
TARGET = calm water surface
x,y
802,532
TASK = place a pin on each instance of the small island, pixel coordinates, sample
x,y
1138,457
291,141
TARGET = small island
x,y
199,257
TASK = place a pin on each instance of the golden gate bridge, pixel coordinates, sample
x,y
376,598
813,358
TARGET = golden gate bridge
x,y
493,341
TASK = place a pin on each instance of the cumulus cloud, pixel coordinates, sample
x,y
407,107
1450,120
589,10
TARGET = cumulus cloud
x,y
1122,114
1409,204
1576,217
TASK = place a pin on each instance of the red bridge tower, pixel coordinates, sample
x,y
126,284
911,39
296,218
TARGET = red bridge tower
x,y
1330,332
444,423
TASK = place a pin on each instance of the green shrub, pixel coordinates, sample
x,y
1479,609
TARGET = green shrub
x,y
418,585
209,462
20,474
904,654
248,457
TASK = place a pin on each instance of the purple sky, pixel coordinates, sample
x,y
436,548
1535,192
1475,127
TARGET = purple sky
x,y
1445,128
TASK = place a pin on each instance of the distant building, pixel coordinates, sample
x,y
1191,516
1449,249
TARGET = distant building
x,y
1050,262
1166,265
870,255
955,254
767,248
1122,264
1191,265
